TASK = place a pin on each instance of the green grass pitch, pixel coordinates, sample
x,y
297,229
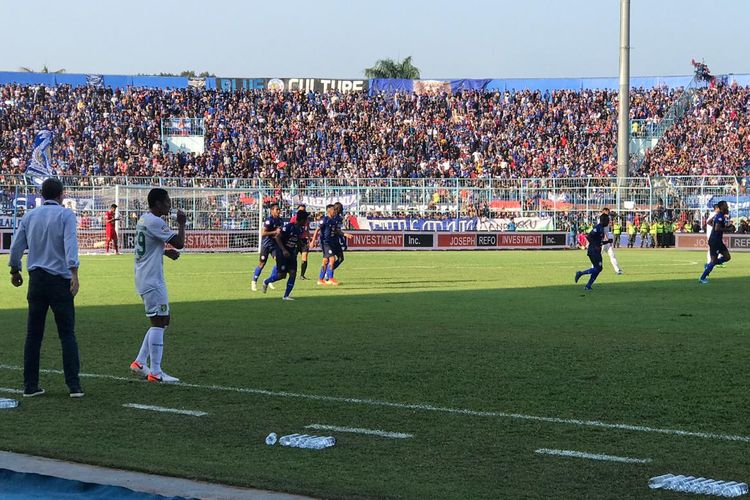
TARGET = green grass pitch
x,y
406,344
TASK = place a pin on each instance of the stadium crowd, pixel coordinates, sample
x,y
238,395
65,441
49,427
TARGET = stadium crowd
x,y
713,138
274,136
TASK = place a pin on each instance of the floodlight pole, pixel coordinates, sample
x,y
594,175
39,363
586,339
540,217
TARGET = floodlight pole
x,y
623,123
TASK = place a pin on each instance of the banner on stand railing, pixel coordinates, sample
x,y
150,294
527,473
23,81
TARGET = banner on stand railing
x,y
349,201
523,224
320,85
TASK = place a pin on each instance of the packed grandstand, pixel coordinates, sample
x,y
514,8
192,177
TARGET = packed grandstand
x,y
281,135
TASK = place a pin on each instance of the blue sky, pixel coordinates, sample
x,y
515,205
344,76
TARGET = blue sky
x,y
339,38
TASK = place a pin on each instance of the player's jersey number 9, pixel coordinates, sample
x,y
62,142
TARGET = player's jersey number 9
x,y
140,242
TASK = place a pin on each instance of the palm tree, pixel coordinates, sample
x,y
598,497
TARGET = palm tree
x,y
389,68
45,69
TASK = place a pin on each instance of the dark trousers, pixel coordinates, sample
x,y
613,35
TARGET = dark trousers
x,y
50,291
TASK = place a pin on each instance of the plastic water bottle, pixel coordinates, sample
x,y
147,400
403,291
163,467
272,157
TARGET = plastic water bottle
x,y
700,485
6,403
659,481
299,440
271,439
694,485
682,484
287,440
325,442
307,441
709,487
734,489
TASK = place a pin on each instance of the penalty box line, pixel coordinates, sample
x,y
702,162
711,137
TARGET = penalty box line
x,y
430,408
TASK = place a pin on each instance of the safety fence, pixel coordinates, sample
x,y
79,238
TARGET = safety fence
x,y
237,206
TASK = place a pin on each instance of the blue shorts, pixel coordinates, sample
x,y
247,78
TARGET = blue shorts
x,y
715,248
595,258
286,264
331,248
272,250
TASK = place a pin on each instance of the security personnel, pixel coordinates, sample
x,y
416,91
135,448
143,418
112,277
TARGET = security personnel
x,y
644,233
48,232
668,234
632,231
617,231
660,234
654,232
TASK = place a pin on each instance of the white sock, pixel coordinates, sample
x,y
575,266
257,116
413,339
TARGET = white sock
x,y
708,257
612,258
143,353
156,348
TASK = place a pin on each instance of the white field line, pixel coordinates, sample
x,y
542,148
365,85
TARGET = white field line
x,y
357,430
428,407
161,409
592,456
12,391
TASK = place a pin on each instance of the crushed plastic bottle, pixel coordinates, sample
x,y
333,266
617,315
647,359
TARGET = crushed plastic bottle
x,y
6,403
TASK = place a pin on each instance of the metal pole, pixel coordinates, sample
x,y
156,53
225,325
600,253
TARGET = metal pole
x,y
15,208
623,130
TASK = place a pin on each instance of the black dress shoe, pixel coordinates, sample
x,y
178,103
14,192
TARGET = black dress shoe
x,y
76,392
33,391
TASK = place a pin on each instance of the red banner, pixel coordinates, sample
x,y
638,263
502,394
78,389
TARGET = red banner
x,y
207,240
519,240
457,240
376,240
738,242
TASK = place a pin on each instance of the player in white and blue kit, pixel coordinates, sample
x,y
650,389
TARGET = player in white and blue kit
x,y
152,234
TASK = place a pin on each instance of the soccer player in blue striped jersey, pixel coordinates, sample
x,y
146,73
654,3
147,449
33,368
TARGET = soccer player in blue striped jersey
x,y
271,228
324,235
596,238
340,240
304,244
716,246
288,241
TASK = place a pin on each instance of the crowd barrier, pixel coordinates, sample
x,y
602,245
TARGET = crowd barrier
x,y
90,241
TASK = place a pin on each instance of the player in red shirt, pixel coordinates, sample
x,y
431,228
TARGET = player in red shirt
x,y
109,222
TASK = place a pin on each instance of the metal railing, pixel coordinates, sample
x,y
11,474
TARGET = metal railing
x,y
179,127
218,203
645,134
